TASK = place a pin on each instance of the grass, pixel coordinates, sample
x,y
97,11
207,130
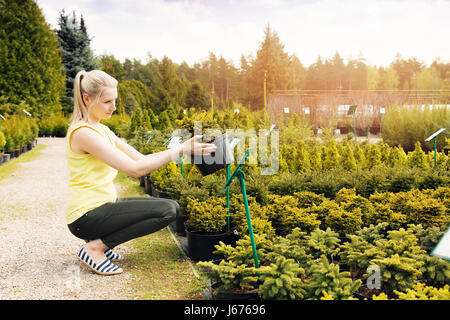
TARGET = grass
x,y
6,169
160,271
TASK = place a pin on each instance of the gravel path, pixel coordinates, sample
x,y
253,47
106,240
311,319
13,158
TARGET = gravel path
x,y
38,252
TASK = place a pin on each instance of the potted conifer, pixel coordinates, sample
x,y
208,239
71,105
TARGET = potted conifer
x,y
205,227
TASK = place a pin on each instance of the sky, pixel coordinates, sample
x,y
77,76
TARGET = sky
x,y
188,30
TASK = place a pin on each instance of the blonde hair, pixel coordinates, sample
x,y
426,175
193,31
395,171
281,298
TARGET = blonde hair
x,y
93,84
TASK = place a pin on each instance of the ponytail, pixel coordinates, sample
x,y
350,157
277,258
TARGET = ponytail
x,y
92,83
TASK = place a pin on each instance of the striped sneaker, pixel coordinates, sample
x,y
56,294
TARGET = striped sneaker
x,y
111,255
105,267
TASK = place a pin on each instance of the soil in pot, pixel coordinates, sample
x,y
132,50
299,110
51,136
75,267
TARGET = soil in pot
x,y
365,293
201,244
234,295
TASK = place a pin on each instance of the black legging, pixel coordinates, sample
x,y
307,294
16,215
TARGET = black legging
x,y
127,218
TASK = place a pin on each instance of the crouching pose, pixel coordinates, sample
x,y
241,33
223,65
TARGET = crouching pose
x,y
95,154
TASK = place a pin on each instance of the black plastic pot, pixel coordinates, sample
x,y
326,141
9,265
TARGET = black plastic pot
x,y
16,153
142,181
11,154
179,225
148,185
201,244
208,164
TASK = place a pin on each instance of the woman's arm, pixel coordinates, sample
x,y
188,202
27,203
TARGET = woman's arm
x,y
127,149
89,141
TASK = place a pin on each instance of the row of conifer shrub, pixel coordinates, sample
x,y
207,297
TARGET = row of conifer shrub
x,y
16,131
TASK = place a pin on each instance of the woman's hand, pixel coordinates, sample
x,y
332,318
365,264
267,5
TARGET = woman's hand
x,y
193,147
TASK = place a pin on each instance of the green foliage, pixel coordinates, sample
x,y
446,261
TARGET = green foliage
x,y
285,214
228,275
55,125
343,221
30,61
399,273
159,176
76,53
17,131
118,124
293,246
435,271
417,158
307,199
2,140
242,253
422,292
411,126
207,216
326,277
321,242
281,280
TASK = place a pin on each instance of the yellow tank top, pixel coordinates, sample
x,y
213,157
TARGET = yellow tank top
x,y
91,181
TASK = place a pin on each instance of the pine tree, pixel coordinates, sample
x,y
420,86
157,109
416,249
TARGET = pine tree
x,y
281,280
315,158
76,53
30,62
196,96
347,159
303,162
272,60
417,158
359,155
326,278
171,90
164,121
373,156
332,157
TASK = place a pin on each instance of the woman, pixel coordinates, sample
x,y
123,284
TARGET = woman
x,y
95,154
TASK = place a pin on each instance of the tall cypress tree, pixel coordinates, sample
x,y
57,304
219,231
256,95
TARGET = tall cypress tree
x,y
76,53
30,62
